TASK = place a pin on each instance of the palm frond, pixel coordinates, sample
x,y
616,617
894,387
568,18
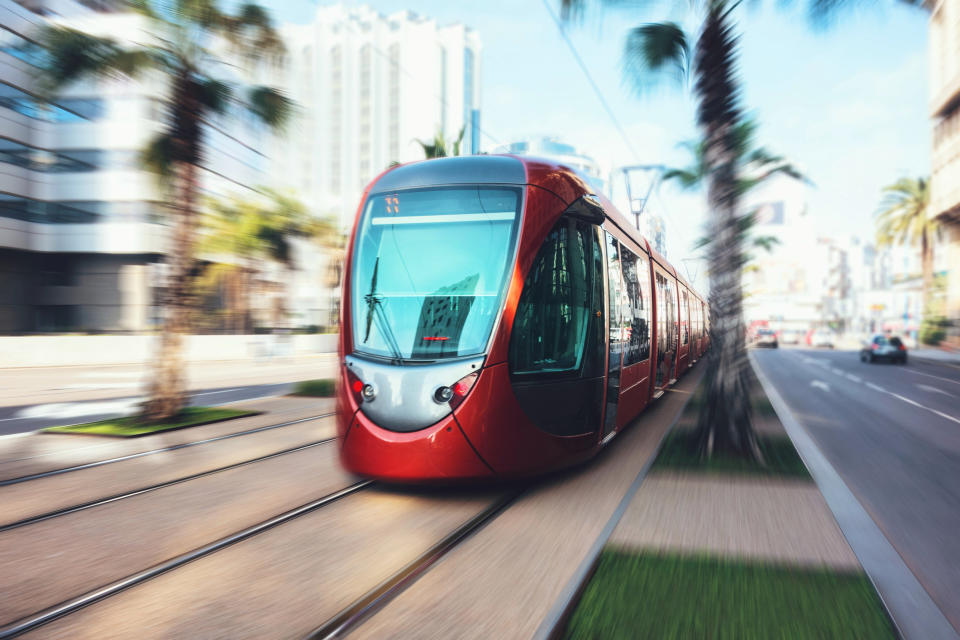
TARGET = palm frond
x,y
687,178
271,106
251,32
144,8
160,157
215,95
653,52
571,10
72,55
199,13
902,215
767,243
459,140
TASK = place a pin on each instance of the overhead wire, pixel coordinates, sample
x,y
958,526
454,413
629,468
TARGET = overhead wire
x,y
589,76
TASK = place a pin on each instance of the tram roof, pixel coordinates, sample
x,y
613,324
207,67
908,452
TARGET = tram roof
x,y
564,181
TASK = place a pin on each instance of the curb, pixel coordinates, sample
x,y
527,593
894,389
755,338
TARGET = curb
x,y
908,605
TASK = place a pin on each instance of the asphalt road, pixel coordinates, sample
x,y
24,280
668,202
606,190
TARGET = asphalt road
x,y
893,434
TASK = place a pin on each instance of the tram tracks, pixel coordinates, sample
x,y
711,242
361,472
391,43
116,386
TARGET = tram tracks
x,y
72,605
336,626
372,601
49,515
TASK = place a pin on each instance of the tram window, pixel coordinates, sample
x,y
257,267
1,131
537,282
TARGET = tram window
x,y
430,270
684,317
635,270
552,323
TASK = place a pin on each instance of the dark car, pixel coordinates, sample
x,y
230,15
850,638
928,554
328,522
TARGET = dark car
x,y
884,347
766,338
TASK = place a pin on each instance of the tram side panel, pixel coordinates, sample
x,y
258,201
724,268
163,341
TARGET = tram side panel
x,y
537,403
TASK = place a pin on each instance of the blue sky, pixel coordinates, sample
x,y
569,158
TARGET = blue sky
x,y
847,104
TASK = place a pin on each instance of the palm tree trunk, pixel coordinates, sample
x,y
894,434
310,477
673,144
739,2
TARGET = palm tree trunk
x,y
926,257
167,388
724,424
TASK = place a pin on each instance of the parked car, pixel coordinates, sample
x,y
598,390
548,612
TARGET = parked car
x,y
821,339
766,338
887,347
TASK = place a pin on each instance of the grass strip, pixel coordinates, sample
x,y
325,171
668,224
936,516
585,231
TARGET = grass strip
x,y
670,596
323,388
780,457
132,426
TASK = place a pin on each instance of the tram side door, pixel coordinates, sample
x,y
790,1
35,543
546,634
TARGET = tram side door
x,y
660,283
617,338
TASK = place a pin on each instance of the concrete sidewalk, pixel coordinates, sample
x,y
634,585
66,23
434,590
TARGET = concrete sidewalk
x,y
751,516
943,356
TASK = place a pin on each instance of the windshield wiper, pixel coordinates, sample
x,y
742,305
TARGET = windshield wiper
x,y
375,310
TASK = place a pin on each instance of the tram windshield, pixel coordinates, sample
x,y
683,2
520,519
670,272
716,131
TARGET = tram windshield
x,y
429,270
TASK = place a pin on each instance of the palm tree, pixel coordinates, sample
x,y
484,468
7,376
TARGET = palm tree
x,y
902,218
755,165
659,49
183,35
438,147
249,232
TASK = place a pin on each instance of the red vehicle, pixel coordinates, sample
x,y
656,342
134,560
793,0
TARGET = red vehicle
x,y
500,320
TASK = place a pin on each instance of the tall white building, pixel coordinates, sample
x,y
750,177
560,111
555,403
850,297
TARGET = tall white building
x,y
367,87
81,238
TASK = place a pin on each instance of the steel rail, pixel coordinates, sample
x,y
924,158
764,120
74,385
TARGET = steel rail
x,y
162,485
378,597
72,605
182,445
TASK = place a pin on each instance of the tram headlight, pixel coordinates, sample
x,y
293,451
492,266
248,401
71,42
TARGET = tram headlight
x,y
462,387
357,387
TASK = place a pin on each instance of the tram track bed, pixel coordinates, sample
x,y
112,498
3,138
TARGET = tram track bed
x,y
57,559
282,582
499,577
52,493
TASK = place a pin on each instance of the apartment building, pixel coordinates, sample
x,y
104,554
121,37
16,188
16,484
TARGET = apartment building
x,y
944,65
368,86
81,233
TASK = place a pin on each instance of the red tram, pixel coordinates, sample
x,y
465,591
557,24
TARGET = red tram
x,y
498,319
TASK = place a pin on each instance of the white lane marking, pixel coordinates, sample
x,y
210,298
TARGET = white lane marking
x,y
876,388
850,376
820,385
927,387
838,372
917,404
920,373
210,393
